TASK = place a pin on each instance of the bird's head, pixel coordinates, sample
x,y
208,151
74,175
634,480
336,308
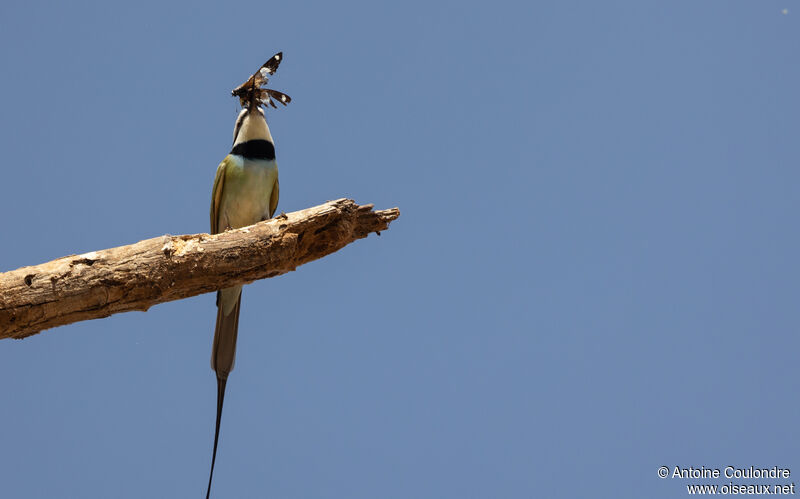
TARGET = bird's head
x,y
252,94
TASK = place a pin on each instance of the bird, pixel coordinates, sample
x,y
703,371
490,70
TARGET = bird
x,y
245,192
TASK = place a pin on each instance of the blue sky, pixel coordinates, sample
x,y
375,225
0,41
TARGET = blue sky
x,y
594,274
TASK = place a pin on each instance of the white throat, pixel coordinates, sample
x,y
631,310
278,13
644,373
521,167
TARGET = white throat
x,y
251,126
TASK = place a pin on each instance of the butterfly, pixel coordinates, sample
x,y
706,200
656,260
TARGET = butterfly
x,y
251,93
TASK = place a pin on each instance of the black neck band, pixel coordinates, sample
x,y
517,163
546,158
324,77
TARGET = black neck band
x,y
255,149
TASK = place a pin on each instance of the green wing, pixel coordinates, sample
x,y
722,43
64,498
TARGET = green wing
x,y
273,200
216,194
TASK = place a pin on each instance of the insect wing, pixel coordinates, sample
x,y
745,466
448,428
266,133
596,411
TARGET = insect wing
x,y
279,96
271,65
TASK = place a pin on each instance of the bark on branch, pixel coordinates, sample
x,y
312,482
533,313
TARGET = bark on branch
x,y
138,276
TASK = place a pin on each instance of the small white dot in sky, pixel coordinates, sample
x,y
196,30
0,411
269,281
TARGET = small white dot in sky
x,y
785,11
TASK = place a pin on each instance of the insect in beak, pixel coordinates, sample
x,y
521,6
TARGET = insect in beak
x,y
252,93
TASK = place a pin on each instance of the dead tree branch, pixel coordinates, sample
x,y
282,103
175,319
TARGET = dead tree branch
x,y
136,277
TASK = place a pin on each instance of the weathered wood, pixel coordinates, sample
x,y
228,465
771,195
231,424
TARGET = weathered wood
x,y
166,268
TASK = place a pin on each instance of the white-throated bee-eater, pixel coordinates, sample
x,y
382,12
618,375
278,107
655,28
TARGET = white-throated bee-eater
x,y
245,192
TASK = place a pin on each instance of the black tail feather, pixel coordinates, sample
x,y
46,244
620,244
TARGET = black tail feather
x,y
220,398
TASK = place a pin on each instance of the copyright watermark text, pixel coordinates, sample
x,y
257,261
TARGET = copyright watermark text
x,y
747,480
